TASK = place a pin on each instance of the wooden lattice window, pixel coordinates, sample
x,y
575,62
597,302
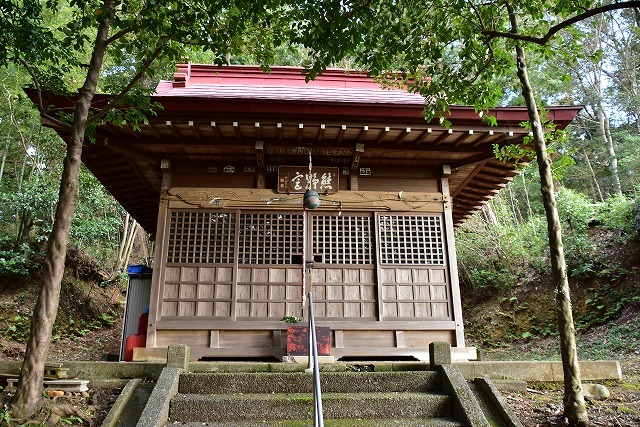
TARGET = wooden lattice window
x,y
201,237
270,238
343,239
411,239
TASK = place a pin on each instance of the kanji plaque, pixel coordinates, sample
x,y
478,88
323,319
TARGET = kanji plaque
x,y
296,179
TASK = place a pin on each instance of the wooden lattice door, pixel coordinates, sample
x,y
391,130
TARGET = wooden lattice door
x,y
343,275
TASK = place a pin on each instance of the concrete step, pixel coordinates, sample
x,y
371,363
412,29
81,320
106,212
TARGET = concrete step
x,y
301,382
433,422
296,406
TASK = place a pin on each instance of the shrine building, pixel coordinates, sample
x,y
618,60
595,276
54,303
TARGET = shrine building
x,y
219,175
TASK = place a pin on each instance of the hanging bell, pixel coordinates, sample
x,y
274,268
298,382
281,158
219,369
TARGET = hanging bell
x,y
311,199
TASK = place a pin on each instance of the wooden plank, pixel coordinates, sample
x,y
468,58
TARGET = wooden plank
x,y
244,275
169,309
352,309
204,309
272,324
190,338
171,292
223,292
214,339
389,309
437,276
370,338
335,309
186,308
333,275
222,309
226,197
241,339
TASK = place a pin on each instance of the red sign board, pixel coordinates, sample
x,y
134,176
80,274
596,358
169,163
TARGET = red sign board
x,y
296,179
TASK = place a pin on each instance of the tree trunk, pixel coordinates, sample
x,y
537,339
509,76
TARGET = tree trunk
x,y
594,180
574,405
603,122
489,214
4,157
526,195
126,245
28,399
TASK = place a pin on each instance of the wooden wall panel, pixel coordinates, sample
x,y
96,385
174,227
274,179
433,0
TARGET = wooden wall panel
x,y
368,339
414,292
198,338
269,292
422,339
241,338
344,293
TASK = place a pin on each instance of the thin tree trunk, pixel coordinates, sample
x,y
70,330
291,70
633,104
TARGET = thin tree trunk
x,y
603,122
126,244
21,177
514,208
574,405
594,180
28,399
526,194
4,157
489,214
613,157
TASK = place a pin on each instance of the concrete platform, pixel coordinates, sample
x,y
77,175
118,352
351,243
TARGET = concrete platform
x,y
538,370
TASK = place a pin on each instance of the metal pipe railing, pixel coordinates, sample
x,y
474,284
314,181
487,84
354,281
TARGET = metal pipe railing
x,y
313,354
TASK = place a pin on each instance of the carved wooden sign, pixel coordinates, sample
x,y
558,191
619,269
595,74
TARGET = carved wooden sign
x,y
296,179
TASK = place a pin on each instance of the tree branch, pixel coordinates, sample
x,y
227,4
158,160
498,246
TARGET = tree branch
x,y
118,35
39,102
564,24
141,72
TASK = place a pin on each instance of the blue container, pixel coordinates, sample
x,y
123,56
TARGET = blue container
x,y
139,270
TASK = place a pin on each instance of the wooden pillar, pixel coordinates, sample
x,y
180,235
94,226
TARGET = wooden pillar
x,y
159,260
453,259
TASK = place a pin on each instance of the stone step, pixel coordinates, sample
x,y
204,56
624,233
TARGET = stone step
x,y
295,406
406,422
301,382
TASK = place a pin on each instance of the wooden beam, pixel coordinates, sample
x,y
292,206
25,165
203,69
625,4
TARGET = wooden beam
x,y
128,151
279,131
425,133
403,135
483,138
216,130
236,128
341,132
153,129
473,160
195,130
300,131
258,131
467,180
129,128
363,132
321,131
173,129
463,137
383,133
473,199
442,137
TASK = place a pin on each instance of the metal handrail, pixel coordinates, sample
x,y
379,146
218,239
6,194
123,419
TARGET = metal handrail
x,y
313,355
